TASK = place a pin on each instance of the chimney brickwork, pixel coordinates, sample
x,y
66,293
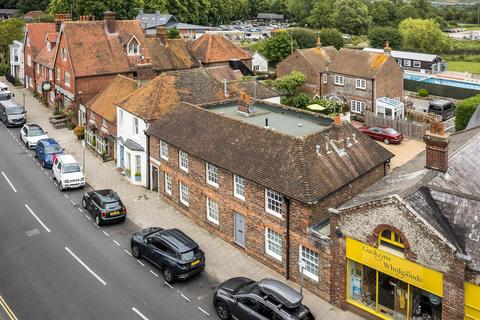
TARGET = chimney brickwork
x,y
436,147
162,35
109,17
244,103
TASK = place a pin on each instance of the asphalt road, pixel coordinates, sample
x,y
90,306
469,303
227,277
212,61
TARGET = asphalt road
x,y
56,264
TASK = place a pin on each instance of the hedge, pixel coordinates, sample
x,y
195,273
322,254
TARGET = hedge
x,y
464,111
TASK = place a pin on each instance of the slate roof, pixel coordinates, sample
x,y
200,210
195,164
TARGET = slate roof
x,y
222,73
358,63
103,104
211,48
260,92
153,20
293,166
169,89
132,145
45,57
407,55
173,56
454,211
272,16
94,51
475,119
319,58
37,33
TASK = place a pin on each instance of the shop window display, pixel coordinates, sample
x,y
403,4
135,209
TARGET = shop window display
x,y
362,284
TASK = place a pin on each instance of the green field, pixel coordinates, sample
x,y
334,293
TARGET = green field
x,y
462,66
469,26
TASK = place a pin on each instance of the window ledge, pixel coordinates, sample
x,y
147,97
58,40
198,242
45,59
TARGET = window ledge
x,y
274,256
213,221
213,184
273,213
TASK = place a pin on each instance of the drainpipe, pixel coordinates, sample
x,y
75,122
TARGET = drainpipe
x,y
287,268
147,176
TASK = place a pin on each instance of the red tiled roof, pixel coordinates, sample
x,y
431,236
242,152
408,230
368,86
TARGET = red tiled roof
x,y
33,14
358,63
45,57
174,56
94,51
215,48
37,32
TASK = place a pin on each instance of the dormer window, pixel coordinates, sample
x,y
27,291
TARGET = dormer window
x,y
49,46
133,47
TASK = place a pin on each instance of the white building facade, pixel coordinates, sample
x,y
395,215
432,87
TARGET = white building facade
x,y
16,61
132,146
259,63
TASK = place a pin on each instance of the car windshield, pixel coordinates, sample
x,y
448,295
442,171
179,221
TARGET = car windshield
x,y
186,256
71,167
112,205
391,131
51,149
5,96
15,110
35,132
308,316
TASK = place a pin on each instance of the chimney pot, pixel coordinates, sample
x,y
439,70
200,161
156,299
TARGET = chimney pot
x,y
337,120
387,50
319,43
162,34
109,17
436,147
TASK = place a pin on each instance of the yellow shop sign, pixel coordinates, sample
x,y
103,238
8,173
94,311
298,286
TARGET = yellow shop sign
x,y
407,271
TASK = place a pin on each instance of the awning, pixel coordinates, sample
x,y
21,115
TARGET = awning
x,y
130,144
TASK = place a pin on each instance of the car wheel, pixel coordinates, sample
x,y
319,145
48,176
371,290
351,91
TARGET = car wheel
x,y
98,221
136,252
84,204
386,141
168,274
60,186
222,310
52,175
43,163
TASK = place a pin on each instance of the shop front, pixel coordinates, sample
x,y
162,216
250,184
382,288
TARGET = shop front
x,y
382,282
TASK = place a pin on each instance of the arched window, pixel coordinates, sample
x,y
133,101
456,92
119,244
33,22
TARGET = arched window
x,y
391,240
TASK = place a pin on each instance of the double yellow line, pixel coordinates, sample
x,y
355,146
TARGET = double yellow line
x,y
7,309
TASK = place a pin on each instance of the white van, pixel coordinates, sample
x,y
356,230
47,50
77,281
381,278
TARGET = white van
x,y
66,171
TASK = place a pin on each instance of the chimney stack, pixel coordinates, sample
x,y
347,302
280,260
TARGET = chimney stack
x,y
337,120
437,147
244,104
319,43
109,17
59,18
162,35
387,50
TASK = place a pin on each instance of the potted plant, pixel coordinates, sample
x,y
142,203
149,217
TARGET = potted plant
x,y
128,172
79,131
103,155
138,176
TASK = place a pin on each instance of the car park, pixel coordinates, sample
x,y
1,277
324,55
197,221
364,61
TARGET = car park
x,y
12,114
105,206
46,150
385,134
176,254
66,171
443,108
31,133
244,299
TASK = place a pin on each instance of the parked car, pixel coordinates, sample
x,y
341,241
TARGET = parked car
x,y
385,134
244,299
171,250
46,150
105,206
443,108
31,133
66,171
6,95
12,114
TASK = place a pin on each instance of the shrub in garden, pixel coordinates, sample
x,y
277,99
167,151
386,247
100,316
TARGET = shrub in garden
x,y
464,111
423,93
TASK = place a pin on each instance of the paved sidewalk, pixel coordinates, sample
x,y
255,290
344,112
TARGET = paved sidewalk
x,y
146,209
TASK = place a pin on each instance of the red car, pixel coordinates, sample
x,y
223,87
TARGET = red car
x,y
385,134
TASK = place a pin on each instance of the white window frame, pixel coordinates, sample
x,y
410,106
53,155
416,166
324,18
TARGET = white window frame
x,y
339,80
361,84
183,160
357,106
120,118
213,211
135,125
104,123
138,164
29,60
272,253
306,254
212,174
64,54
133,49
269,195
50,74
325,78
67,79
417,64
183,193
399,61
168,183
163,150
407,63
59,74
37,68
239,185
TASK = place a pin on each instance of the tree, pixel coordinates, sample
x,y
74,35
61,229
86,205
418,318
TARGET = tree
x,y
278,47
321,15
383,13
352,16
300,9
407,11
10,29
29,5
155,5
378,36
173,33
305,38
331,37
423,36
124,9
464,111
291,83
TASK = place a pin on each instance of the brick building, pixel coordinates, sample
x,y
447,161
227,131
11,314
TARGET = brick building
x,y
408,247
43,65
259,175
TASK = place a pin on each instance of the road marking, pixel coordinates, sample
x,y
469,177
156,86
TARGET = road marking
x,y
127,252
168,284
97,227
140,262
46,173
7,309
73,202
8,180
80,209
156,275
118,244
38,164
139,314
208,314
184,297
86,216
86,267
106,234
38,219
66,196
51,178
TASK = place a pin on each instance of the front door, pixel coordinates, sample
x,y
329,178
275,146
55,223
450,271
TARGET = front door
x,y
122,160
154,185
239,229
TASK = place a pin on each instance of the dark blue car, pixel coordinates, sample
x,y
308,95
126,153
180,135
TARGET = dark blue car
x,y
46,150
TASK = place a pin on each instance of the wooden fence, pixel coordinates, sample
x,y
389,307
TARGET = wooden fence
x,y
408,128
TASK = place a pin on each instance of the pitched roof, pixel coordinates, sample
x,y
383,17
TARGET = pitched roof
x,y
222,73
475,119
45,57
253,88
319,58
94,51
153,20
174,56
407,55
103,104
293,166
169,89
269,16
358,63
215,48
33,14
37,33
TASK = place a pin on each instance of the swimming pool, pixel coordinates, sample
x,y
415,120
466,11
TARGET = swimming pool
x,y
443,82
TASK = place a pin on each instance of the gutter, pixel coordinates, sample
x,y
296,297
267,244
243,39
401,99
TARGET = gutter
x,y
147,159
287,267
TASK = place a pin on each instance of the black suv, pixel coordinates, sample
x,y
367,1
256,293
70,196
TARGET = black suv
x,y
245,299
443,108
105,206
176,254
